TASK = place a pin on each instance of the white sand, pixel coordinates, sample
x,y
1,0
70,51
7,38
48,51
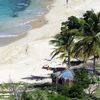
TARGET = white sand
x,y
25,57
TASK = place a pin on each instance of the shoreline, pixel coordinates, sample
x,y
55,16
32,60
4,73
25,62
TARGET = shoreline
x,y
37,22
40,20
25,57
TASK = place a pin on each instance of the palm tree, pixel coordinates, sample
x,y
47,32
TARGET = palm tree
x,y
63,45
89,44
64,41
87,47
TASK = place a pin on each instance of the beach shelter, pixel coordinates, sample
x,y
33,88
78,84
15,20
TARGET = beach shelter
x,y
64,77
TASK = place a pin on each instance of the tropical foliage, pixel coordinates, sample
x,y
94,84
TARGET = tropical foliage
x,y
79,37
47,91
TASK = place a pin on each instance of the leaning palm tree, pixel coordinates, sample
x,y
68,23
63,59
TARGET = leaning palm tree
x,y
89,45
63,45
64,41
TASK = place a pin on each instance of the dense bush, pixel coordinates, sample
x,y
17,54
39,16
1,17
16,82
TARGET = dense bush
x,y
82,78
76,92
43,95
81,82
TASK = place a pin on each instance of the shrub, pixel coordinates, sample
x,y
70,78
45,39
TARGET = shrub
x,y
76,92
82,78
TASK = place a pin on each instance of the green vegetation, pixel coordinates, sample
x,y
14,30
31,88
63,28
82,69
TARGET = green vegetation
x,y
82,82
47,91
43,95
82,78
79,38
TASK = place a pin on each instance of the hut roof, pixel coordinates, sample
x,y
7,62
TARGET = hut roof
x,y
67,74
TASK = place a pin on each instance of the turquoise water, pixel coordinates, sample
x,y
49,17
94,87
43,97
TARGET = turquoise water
x,y
15,13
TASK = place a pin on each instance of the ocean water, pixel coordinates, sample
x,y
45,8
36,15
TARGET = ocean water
x,y
14,15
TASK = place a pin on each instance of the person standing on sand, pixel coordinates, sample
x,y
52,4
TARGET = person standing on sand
x,y
26,49
66,1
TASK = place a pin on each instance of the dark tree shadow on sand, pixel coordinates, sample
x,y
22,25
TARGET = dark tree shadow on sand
x,y
37,78
54,69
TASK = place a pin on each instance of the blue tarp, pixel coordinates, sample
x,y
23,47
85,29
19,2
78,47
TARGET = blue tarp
x,y
67,74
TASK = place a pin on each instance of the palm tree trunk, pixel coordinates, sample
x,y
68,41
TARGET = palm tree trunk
x,y
94,64
69,59
85,62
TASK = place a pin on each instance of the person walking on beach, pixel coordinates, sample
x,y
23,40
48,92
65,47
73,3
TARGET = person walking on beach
x,y
66,1
26,50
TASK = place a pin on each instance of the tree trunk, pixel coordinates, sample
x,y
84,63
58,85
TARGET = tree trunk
x,y
94,65
84,62
69,59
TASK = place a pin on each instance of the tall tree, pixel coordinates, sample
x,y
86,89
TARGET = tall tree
x,y
64,41
63,45
89,44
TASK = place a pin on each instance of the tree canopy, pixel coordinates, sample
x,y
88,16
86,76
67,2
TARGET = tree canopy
x,y
79,37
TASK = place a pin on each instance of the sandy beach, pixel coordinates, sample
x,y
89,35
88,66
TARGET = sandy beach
x,y
24,58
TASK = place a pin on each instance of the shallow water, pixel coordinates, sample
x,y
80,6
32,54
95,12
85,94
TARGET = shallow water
x,y
15,13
